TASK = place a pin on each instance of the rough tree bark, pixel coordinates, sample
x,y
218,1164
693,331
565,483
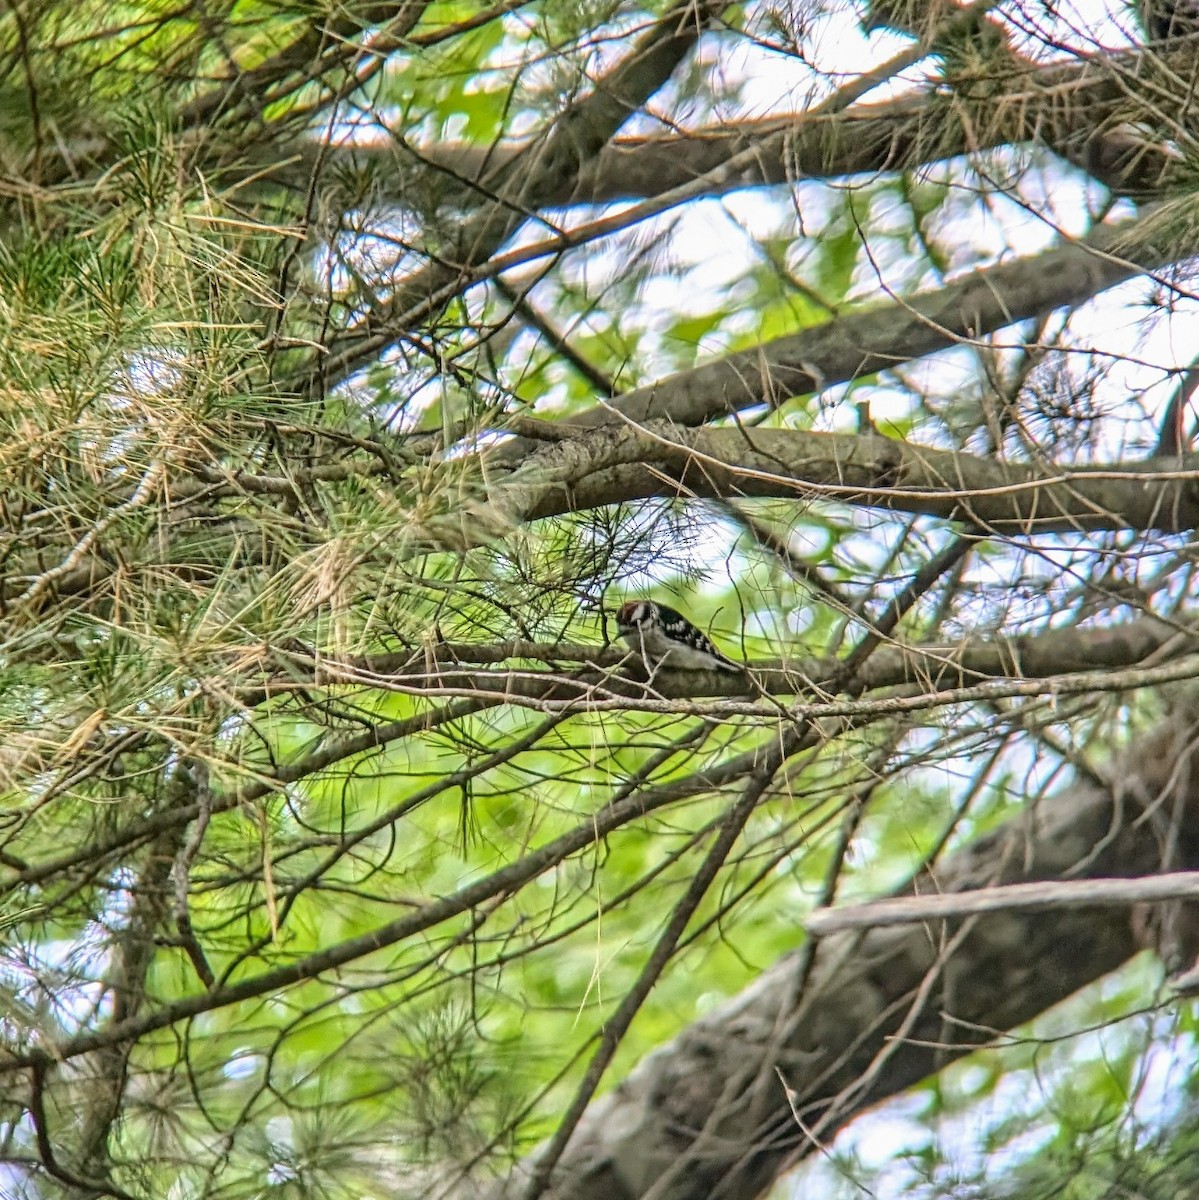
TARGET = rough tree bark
x,y
748,1090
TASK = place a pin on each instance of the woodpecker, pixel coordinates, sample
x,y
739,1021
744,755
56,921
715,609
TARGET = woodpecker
x,y
665,638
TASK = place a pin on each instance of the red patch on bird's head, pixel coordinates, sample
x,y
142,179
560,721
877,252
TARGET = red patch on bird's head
x,y
631,612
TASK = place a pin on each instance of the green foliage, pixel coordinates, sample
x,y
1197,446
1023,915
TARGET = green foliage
x,y
316,873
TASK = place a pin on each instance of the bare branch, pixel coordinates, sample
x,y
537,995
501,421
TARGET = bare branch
x,y
610,466
1068,106
876,338
859,995
521,186
1062,893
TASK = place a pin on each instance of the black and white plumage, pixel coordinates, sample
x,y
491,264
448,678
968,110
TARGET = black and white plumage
x,y
665,638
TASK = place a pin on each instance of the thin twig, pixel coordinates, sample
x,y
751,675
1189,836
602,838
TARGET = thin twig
x,y
1077,893
181,870
45,1144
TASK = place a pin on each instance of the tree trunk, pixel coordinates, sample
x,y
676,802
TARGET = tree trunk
x,y
748,1090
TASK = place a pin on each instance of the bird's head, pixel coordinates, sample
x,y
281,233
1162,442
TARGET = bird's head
x,y
632,614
